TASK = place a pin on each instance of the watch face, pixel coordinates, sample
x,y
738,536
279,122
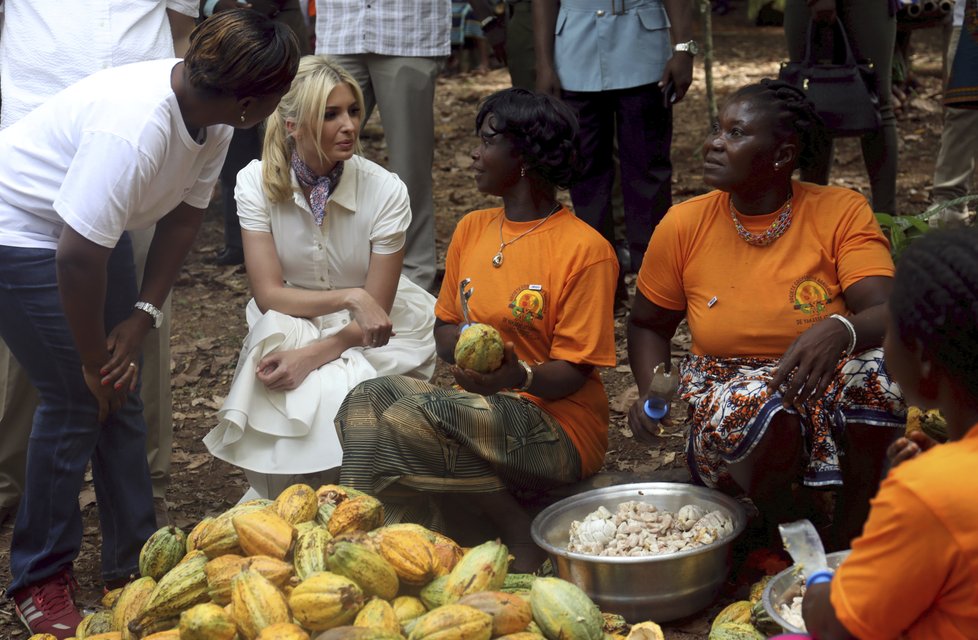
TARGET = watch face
x,y
693,47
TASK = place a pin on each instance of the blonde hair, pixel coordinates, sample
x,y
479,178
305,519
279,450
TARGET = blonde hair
x,y
305,106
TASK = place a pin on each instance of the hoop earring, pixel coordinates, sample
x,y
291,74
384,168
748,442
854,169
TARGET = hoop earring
x,y
522,172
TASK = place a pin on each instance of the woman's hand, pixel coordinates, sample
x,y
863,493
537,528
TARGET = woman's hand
x,y
509,375
125,345
910,446
285,370
808,365
109,398
373,320
644,428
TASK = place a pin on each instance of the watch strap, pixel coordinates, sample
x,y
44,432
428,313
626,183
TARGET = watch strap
x,y
153,312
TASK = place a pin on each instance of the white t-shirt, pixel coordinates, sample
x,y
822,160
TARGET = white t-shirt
x,y
91,34
108,154
369,212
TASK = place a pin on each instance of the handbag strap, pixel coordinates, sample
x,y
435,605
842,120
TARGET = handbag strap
x,y
838,32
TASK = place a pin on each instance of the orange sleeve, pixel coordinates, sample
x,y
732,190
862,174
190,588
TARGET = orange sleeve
x,y
897,567
447,308
661,277
862,248
584,333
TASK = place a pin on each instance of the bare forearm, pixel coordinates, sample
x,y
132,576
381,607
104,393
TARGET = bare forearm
x,y
329,349
680,14
82,285
558,379
819,614
646,349
544,23
446,335
180,28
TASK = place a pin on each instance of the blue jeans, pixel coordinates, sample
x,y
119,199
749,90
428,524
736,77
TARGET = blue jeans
x,y
66,434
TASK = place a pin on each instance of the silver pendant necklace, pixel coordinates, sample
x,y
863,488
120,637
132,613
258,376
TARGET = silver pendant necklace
x,y
497,260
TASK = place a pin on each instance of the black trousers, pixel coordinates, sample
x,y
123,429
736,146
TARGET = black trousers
x,y
644,131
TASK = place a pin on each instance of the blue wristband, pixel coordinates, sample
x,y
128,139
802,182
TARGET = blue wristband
x,y
824,575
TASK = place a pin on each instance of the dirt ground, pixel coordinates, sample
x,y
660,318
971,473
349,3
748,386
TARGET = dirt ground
x,y
209,301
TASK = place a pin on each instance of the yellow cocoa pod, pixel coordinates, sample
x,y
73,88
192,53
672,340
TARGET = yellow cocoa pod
x,y
164,549
169,634
374,575
264,533
562,610
646,631
522,635
278,572
184,586
359,633
110,635
612,622
193,538
410,554
757,589
42,636
325,600
479,348
296,504
445,551
408,608
98,622
453,622
283,631
361,513
482,568
336,493
207,621
256,603
735,631
109,599
219,537
309,553
220,571
378,614
130,604
510,613
735,612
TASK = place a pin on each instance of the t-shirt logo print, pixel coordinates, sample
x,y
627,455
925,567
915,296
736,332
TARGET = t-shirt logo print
x,y
810,296
527,304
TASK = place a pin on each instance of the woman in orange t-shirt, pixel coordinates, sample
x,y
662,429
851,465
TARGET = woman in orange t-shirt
x,y
545,280
783,285
912,573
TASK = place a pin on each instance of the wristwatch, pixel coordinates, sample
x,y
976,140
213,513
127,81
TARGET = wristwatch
x,y
154,313
689,47
489,21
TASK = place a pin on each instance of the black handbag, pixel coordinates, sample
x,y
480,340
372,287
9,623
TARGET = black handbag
x,y
844,93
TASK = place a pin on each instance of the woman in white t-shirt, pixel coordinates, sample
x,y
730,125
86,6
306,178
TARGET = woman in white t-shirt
x,y
123,149
324,233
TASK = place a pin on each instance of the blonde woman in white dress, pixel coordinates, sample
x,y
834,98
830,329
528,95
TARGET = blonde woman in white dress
x,y
323,232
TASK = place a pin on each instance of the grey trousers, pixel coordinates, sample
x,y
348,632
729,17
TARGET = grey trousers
x,y
18,401
404,90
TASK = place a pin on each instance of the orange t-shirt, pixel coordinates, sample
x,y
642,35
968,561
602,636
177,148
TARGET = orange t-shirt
x,y
914,571
553,298
764,297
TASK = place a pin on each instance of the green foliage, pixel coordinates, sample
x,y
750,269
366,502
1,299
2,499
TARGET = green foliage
x,y
902,230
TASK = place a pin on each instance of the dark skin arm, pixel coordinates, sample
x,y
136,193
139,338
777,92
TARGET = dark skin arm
x,y
808,365
551,380
679,68
544,25
495,30
819,614
650,330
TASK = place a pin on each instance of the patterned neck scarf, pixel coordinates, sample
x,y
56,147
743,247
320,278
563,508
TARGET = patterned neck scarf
x,y
322,187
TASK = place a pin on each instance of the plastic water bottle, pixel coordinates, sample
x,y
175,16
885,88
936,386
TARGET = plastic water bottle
x,y
662,389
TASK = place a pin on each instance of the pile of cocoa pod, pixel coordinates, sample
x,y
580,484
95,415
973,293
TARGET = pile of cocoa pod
x,y
319,562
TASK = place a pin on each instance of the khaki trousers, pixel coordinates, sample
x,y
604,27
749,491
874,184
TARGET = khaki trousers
x,y
18,401
404,89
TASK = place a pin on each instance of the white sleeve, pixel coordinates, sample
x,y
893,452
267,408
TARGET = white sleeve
x,y
253,205
186,7
210,173
103,185
392,219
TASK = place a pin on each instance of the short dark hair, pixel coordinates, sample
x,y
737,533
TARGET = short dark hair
x,y
542,129
794,115
242,53
935,301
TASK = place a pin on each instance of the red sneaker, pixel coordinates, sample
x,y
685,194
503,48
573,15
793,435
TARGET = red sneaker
x,y
48,606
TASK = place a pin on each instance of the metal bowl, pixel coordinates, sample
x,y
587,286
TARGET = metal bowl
x,y
787,584
659,588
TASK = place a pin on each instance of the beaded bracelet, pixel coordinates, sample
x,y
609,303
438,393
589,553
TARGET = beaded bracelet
x,y
851,329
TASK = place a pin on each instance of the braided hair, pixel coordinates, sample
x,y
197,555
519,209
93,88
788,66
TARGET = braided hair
x,y
794,115
541,128
935,301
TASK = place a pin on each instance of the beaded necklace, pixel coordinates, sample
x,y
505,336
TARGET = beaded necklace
x,y
772,233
